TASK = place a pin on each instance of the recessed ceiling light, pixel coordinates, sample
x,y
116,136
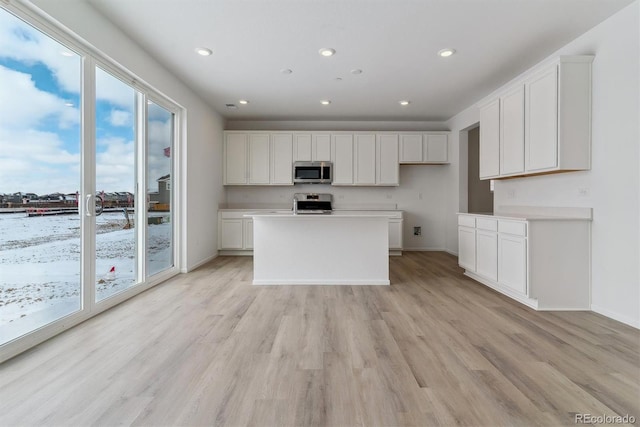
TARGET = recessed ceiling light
x,y
66,53
446,52
403,103
356,71
203,51
243,102
327,51
286,71
325,102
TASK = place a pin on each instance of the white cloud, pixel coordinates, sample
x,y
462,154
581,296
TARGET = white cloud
x,y
111,89
21,42
115,165
35,161
24,105
120,118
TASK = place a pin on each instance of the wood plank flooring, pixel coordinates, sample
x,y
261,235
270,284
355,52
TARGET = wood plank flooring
x,y
435,348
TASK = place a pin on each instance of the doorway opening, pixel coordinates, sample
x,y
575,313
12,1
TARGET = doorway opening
x,y
479,194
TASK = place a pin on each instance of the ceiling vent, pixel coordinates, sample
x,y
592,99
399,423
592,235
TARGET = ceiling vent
x,y
232,106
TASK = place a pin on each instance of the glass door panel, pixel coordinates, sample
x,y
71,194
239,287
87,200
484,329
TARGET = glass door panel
x,y
160,131
40,158
116,248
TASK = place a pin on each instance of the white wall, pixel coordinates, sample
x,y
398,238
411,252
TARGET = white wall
x,y
612,186
202,137
422,194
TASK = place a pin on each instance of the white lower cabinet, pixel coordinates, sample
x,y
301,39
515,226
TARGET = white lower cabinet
x,y
247,233
230,234
487,254
542,262
395,234
512,262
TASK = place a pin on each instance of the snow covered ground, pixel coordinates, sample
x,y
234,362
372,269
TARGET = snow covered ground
x,y
40,265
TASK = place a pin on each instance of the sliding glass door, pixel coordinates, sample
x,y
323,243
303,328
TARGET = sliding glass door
x,y
87,173
40,179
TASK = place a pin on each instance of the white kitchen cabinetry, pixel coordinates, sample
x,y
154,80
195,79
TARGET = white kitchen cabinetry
x,y
512,132
342,150
395,234
387,161
258,158
487,248
548,125
490,140
312,147
281,159
247,233
467,242
231,233
542,262
235,159
426,148
364,159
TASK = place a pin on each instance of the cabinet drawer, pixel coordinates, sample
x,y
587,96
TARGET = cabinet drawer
x,y
466,220
517,228
487,224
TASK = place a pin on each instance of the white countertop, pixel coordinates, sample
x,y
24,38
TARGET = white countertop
x,y
538,213
334,214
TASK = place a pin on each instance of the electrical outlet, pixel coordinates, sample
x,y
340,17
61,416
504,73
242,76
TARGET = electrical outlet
x,y
417,231
583,191
419,196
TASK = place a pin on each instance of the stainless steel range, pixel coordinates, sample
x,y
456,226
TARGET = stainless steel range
x,y
312,203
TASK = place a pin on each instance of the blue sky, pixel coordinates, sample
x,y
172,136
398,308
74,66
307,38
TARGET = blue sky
x,y
40,119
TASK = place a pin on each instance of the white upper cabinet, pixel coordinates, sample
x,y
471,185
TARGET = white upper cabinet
x,y
435,148
365,159
490,140
542,129
281,159
430,147
312,147
411,148
321,147
302,147
387,159
259,159
512,132
235,159
342,149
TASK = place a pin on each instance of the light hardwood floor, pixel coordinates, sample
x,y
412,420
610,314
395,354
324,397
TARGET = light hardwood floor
x,y
435,348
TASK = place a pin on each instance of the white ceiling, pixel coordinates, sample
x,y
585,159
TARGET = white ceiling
x,y
394,42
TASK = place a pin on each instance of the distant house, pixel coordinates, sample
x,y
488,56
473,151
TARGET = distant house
x,y
163,195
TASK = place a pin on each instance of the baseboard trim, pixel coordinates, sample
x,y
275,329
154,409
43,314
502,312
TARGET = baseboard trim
x,y
634,323
199,264
424,250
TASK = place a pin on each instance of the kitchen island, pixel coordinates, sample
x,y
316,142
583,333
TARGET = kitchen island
x,y
331,249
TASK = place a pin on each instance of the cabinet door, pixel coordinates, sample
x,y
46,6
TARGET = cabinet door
x,y
282,158
342,148
259,158
395,234
467,248
490,140
231,234
302,147
365,159
512,132
411,148
387,161
247,234
512,262
542,121
487,254
321,148
435,149
235,158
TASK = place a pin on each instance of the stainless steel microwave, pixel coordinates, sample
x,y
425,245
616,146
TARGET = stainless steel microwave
x,y
312,172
